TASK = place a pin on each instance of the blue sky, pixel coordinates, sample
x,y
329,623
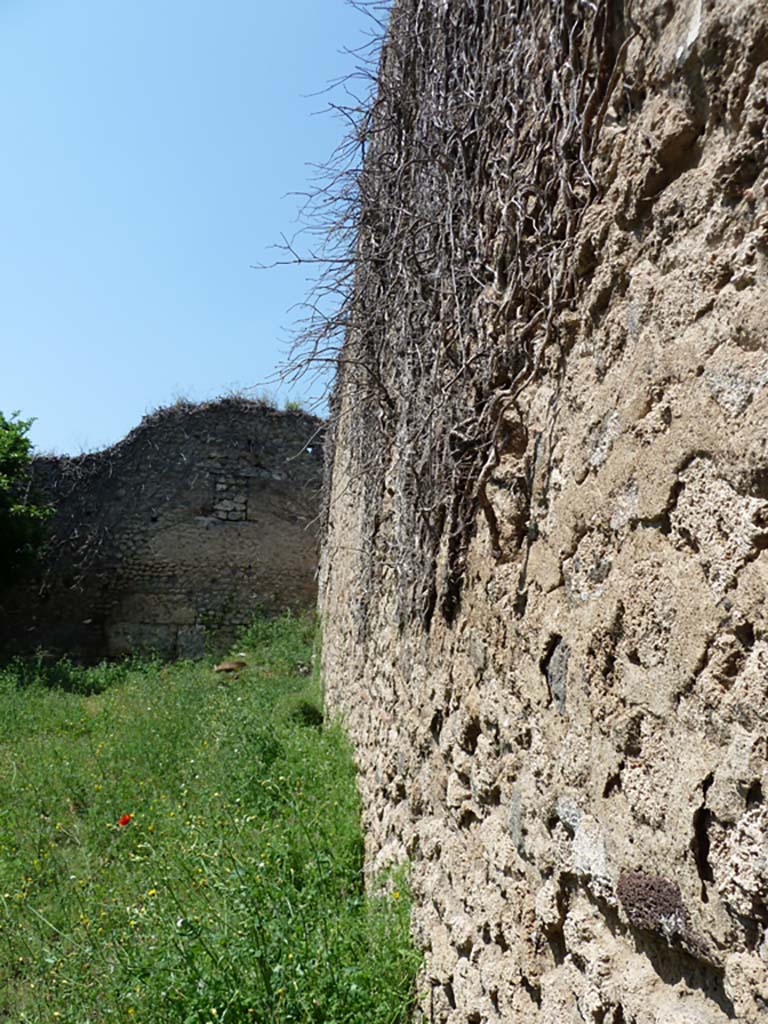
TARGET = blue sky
x,y
148,152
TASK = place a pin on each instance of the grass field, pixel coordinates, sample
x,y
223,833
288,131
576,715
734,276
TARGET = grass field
x,y
178,846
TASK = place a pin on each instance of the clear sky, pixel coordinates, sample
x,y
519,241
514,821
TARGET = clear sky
x,y
148,151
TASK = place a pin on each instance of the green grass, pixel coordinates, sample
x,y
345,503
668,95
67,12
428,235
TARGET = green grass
x,y
234,892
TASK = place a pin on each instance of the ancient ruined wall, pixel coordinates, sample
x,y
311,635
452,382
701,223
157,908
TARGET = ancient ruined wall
x,y
543,586
175,536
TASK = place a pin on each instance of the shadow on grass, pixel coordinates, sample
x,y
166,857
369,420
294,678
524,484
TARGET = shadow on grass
x,y
308,714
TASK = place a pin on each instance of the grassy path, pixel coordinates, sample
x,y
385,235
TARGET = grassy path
x,y
180,847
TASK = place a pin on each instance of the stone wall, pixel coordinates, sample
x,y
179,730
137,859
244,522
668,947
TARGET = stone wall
x,y
565,731
173,538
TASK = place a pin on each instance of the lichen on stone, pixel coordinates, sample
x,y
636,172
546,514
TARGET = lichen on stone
x,y
654,904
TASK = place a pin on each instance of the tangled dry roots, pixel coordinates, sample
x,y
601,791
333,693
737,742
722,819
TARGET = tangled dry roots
x,y
475,177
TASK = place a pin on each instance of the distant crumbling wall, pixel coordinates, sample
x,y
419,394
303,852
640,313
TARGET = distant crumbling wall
x,y
174,536
544,580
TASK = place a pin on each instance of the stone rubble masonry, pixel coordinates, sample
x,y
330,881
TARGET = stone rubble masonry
x,y
579,778
173,537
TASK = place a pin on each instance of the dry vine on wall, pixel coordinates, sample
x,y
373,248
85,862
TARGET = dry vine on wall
x,y
451,258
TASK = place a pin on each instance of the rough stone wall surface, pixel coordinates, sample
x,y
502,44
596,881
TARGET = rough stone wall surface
x,y
576,762
173,537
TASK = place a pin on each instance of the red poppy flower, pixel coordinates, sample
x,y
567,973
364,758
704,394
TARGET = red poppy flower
x,y
125,819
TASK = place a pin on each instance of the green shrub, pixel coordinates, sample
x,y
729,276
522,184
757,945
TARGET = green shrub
x,y
22,521
40,671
